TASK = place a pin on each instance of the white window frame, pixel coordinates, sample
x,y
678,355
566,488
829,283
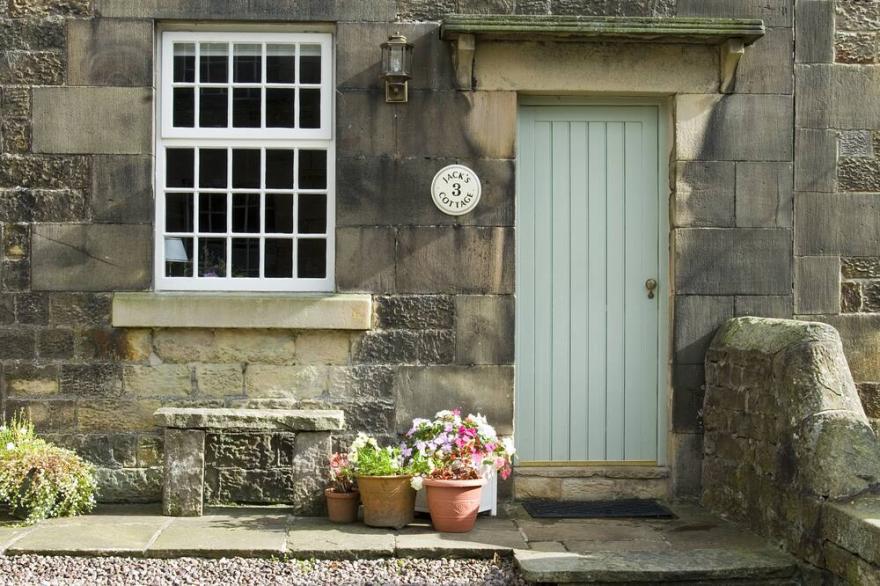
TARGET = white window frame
x,y
274,138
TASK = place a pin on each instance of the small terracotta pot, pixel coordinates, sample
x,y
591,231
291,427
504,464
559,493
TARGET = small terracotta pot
x,y
389,501
454,504
342,507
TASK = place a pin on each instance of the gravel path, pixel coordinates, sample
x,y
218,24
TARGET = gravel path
x,y
43,570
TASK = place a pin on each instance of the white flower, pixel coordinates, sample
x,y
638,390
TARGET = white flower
x,y
416,482
508,446
353,456
443,414
10,446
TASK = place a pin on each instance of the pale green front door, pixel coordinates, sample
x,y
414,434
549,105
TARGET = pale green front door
x,y
588,239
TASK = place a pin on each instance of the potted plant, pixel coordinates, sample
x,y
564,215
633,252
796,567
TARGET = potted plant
x,y
342,496
388,498
451,455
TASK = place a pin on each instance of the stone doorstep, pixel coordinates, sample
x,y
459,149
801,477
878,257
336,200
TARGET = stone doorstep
x,y
633,472
250,419
590,482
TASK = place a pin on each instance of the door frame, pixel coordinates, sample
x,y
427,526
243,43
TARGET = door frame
x,y
665,262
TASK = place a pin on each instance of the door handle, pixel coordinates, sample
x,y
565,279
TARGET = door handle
x,y
650,285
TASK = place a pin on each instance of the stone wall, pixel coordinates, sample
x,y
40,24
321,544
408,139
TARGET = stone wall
x,y
787,438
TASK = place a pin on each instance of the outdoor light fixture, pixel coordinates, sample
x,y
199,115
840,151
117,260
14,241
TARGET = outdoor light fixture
x,y
396,68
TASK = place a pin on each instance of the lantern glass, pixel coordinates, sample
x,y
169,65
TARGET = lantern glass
x,y
397,58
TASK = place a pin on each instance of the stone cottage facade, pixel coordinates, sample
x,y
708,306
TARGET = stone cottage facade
x,y
769,158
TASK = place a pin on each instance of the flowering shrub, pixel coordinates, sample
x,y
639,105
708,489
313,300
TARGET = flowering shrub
x,y
40,480
341,473
368,459
450,447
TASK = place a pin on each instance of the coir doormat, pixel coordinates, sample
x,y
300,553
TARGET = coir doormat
x,y
618,509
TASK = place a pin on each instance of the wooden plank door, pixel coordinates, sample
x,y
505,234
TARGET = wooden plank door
x,y
587,340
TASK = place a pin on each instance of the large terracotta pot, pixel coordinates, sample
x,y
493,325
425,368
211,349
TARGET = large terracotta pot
x,y
454,504
389,501
342,507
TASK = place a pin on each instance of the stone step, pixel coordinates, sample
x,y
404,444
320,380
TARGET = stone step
x,y
763,566
590,482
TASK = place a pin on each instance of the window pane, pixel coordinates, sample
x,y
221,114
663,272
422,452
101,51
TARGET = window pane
x,y
178,212
212,168
310,108
279,213
311,259
279,169
247,63
310,64
214,62
245,257
246,212
279,258
280,111
184,62
183,108
312,169
245,168
280,63
178,257
212,257
312,214
246,107
212,212
213,103
179,170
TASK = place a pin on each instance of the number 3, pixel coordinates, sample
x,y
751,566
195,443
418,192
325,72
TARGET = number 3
x,y
456,189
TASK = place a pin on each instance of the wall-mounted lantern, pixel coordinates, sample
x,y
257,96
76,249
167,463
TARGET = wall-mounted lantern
x,y
396,68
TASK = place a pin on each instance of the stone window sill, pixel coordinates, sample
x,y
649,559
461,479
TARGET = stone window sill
x,y
326,311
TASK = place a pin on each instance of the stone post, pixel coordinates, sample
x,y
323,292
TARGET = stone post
x,y
183,490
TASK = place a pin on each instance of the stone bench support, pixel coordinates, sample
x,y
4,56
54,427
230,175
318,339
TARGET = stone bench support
x,y
186,430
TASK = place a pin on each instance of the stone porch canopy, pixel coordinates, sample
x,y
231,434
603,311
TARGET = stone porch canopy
x,y
731,36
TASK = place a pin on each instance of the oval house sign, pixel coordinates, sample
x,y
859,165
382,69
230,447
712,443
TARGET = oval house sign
x,y
456,190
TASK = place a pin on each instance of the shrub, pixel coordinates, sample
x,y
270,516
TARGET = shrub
x,y
39,480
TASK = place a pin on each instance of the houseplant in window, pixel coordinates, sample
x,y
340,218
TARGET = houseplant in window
x,y
343,497
384,483
452,455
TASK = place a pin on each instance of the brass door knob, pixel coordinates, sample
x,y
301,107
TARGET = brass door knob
x,y
650,285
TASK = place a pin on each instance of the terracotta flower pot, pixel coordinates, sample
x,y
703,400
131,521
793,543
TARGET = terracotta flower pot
x,y
389,501
454,504
342,507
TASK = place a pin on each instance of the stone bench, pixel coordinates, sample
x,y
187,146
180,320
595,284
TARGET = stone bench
x,y
297,441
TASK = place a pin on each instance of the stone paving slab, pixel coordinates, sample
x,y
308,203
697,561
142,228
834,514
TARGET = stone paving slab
x,y
9,535
227,534
489,537
319,538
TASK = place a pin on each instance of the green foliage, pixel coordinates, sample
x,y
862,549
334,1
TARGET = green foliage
x,y
39,480
369,459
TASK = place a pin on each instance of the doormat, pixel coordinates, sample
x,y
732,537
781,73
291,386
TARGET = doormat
x,y
619,509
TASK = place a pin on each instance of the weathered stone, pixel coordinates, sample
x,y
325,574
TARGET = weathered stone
x,y
32,67
814,31
219,379
379,191
495,400
853,525
311,538
705,193
861,48
87,120
850,297
48,172
425,9
16,343
55,344
129,485
851,568
32,34
484,257
223,346
405,347
16,136
375,416
32,309
855,143
817,284
415,312
323,347
16,275
122,415
182,492
242,450
871,297
725,261
860,267
825,96
734,127
283,10
767,66
365,259
250,419
105,450
42,205
861,342
30,8
764,195
47,415
79,309
779,306
16,102
697,319
114,344
92,380
687,398
361,383
285,381
484,329
16,241
824,226
856,15
149,450
532,7
122,189
7,309
30,380
158,380
686,464
483,125
774,13
110,52
860,174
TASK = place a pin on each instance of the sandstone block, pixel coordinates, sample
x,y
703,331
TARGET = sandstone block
x,y
92,380
817,284
110,52
767,66
129,485
84,257
47,415
824,226
858,174
31,380
88,119
366,383
298,382
18,343
283,10
122,189
159,380
814,29
484,329
113,344
120,415
32,67
705,193
183,485
79,309
855,143
219,380
686,464
327,347
764,195
16,102
861,342
861,48
30,8
697,319
854,15
778,306
249,419
773,12
32,34
687,398
365,259
149,450
39,171
415,312
57,344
